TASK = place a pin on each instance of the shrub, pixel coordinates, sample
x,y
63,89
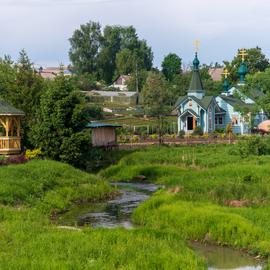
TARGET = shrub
x,y
181,133
198,131
253,146
31,154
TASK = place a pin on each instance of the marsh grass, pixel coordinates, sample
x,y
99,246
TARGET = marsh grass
x,y
208,178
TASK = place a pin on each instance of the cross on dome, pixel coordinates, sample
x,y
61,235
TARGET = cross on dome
x,y
242,54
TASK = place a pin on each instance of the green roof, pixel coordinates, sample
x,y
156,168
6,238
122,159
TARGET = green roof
x,y
236,102
196,82
6,109
100,125
204,102
190,111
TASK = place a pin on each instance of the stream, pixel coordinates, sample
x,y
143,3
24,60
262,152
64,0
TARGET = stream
x,y
117,213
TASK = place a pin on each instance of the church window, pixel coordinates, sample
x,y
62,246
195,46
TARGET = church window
x,y
190,103
220,120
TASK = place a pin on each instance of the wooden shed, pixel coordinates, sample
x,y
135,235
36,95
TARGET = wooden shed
x,y
103,135
10,129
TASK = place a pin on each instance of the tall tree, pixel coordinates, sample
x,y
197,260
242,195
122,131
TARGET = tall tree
x,y
104,54
155,98
85,45
171,66
22,87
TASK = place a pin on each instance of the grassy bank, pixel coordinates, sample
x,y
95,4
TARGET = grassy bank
x,y
209,194
31,192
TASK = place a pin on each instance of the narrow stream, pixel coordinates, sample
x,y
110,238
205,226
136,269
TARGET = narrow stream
x,y
117,213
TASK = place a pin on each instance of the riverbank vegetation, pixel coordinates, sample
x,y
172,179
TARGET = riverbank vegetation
x,y
212,193
30,196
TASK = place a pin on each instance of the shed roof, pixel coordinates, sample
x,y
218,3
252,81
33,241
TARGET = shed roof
x,y
6,109
100,125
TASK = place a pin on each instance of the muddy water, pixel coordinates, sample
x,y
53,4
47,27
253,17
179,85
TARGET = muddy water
x,y
117,213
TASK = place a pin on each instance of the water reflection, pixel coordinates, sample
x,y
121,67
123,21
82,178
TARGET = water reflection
x,y
221,258
114,213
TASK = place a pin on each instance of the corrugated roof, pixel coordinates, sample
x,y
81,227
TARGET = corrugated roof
x,y
100,125
112,93
6,109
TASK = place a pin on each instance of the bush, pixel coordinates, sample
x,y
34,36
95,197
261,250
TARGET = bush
x,y
254,146
31,154
198,131
181,133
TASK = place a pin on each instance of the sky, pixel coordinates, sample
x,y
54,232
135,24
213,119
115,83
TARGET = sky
x,y
43,27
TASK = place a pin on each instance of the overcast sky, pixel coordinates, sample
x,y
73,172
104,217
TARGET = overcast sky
x,y
43,27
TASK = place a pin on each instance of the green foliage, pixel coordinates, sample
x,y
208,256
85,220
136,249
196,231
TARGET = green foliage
x,y
198,131
254,145
106,55
31,154
155,96
60,121
256,62
171,66
22,87
85,46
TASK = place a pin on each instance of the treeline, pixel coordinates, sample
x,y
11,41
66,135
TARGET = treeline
x,y
56,111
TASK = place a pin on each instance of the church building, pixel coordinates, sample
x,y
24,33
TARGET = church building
x,y
210,112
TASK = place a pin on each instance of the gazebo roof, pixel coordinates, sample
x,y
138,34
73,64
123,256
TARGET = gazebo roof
x,y
6,109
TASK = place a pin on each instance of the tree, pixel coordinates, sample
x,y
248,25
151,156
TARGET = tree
x,y
171,66
155,98
105,54
85,45
256,62
60,122
126,61
22,87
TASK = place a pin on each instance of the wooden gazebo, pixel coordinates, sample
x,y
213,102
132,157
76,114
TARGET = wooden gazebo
x,y
10,129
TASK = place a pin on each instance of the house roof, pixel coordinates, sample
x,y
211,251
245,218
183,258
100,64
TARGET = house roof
x,y
216,73
6,109
100,125
234,102
191,112
255,93
204,102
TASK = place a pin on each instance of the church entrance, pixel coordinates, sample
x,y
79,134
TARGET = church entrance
x,y
190,123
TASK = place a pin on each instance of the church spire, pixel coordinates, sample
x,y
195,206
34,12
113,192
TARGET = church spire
x,y
196,87
243,70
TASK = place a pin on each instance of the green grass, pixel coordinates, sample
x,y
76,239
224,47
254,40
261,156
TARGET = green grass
x,y
50,185
198,182
30,192
207,178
